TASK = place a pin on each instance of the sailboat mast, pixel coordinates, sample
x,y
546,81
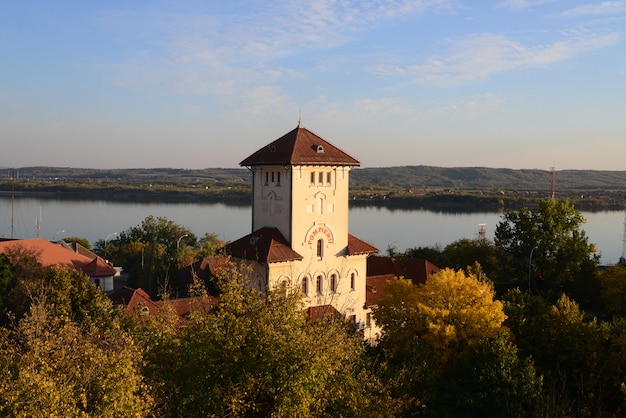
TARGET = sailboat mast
x,y
12,201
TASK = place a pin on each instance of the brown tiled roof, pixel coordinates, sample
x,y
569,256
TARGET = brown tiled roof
x,y
375,288
418,270
319,313
264,245
98,268
357,246
138,302
54,254
300,147
379,265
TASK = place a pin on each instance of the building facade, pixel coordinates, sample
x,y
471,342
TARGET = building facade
x,y
300,237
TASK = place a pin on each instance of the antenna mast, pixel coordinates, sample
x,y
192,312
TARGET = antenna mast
x,y
623,258
552,183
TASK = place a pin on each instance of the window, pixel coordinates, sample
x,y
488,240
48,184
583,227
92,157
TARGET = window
x,y
319,284
321,177
333,283
278,178
328,178
267,178
368,320
272,177
305,286
320,249
312,178
352,281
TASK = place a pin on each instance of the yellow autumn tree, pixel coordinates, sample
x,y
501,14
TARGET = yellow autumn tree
x,y
451,311
459,310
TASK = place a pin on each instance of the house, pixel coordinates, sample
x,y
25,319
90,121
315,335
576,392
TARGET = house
x,y
380,271
49,254
299,237
137,302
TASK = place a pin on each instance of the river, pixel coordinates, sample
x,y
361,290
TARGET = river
x,y
381,227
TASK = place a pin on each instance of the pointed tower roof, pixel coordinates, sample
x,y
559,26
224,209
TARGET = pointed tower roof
x,y
300,147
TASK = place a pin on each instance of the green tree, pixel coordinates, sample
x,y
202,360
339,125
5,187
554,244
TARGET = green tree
x,y
613,283
150,253
562,258
6,283
79,240
69,354
489,379
581,359
255,356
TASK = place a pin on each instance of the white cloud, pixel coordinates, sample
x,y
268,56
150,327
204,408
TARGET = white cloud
x,y
597,9
521,4
481,55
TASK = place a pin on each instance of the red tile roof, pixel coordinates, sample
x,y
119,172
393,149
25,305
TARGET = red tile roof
x,y
357,246
138,302
418,270
322,312
264,245
53,254
300,147
375,288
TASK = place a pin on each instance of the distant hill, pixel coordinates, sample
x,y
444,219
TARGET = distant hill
x,y
487,178
401,177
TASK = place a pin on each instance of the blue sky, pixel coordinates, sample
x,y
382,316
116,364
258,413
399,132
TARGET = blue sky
x,y
195,84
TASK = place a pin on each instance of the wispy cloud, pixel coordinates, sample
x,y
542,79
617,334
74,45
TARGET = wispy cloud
x,y
225,54
605,8
479,56
521,4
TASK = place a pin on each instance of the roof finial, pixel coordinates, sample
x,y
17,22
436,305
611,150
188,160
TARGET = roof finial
x,y
300,119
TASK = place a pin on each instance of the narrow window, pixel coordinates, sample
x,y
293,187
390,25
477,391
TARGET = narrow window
x,y
321,177
278,178
352,281
328,178
319,285
320,249
305,287
368,320
312,178
267,177
272,177
333,283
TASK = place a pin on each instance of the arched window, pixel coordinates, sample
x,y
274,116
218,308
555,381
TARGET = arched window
x,y
305,286
319,284
352,281
320,249
333,283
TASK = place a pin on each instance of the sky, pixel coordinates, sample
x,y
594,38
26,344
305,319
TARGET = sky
x,y
523,84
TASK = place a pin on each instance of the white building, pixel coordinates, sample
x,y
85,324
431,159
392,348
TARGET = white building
x,y
300,235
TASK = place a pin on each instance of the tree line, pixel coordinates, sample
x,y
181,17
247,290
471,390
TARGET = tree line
x,y
525,326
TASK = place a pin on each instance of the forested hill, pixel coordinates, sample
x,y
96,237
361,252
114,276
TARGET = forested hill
x,y
405,177
422,176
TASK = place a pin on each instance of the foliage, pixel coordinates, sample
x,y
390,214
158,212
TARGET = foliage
x,y
68,355
613,282
489,379
253,356
78,240
450,312
208,246
150,253
582,360
562,258
6,282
